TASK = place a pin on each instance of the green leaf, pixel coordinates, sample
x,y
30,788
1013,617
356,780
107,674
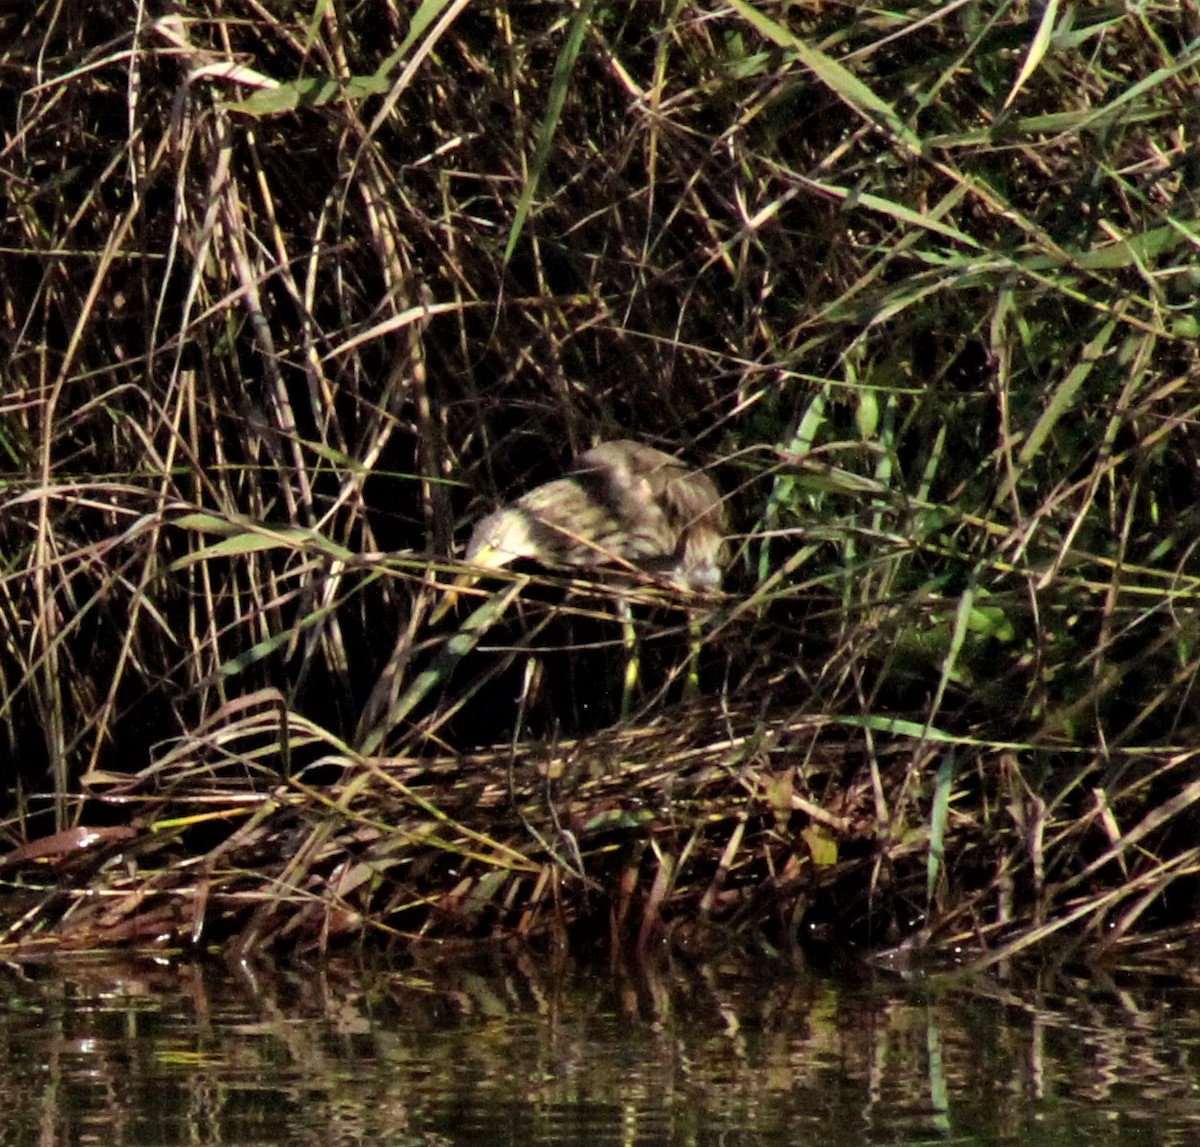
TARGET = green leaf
x,y
938,818
1037,50
822,847
239,541
559,85
833,75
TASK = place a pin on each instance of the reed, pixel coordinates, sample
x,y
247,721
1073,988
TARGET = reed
x,y
289,306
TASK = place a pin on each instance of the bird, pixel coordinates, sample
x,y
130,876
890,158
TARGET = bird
x,y
622,504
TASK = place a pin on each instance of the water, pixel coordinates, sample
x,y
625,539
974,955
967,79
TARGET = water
x,y
516,1052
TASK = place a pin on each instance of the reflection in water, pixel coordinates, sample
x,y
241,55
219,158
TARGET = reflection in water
x,y
517,1053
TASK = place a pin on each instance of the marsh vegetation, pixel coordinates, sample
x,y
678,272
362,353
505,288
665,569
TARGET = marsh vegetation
x,y
292,296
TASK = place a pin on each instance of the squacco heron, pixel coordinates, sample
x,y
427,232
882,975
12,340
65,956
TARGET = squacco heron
x,y
622,505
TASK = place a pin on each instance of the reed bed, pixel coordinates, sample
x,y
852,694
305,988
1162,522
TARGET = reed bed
x,y
291,300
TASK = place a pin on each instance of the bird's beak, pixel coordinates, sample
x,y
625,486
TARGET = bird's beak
x,y
489,558
450,596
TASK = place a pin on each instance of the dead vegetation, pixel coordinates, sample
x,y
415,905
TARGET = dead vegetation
x,y
287,305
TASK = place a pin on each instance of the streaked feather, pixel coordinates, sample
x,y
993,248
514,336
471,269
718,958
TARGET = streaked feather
x,y
622,503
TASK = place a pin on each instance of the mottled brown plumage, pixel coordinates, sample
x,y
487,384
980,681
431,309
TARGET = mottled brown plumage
x,y
622,504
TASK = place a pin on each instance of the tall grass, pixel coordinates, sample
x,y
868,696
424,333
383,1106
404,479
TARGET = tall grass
x,y
290,301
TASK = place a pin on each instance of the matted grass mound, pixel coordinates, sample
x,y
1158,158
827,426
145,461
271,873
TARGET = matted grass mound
x,y
711,828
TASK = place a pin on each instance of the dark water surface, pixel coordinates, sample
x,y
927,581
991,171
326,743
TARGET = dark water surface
x,y
519,1052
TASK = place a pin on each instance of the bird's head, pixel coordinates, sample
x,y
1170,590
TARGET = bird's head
x,y
498,540
501,538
